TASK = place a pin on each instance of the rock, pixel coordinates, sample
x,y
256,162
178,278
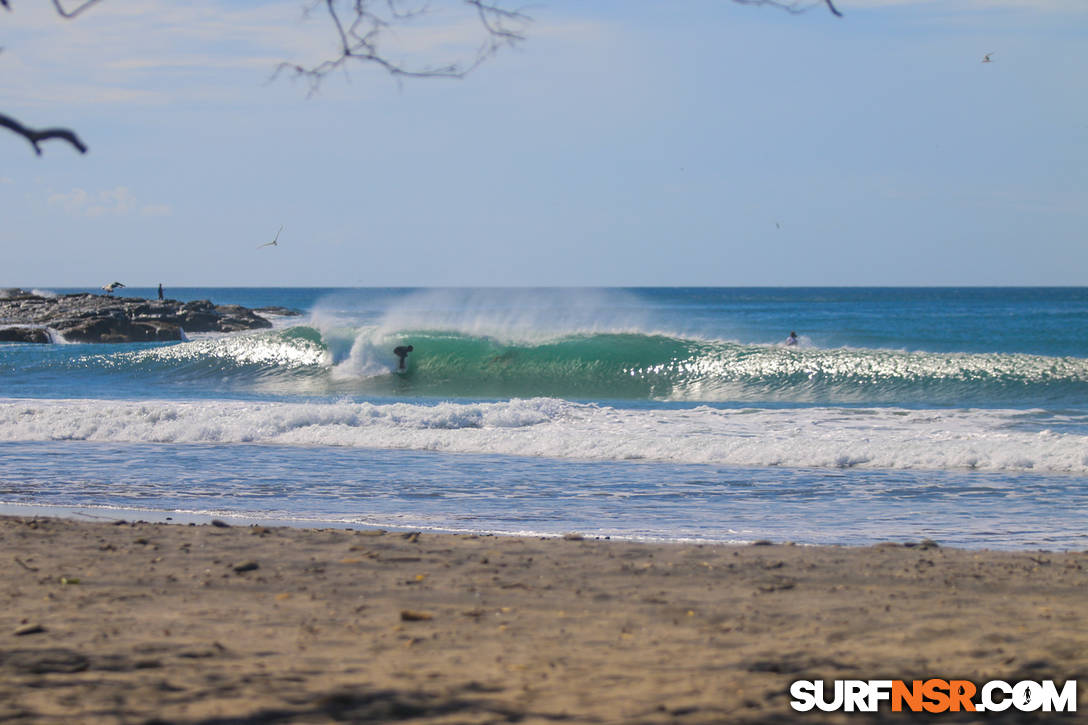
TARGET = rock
x,y
276,310
235,317
44,661
14,293
923,544
198,306
25,334
105,318
119,329
408,615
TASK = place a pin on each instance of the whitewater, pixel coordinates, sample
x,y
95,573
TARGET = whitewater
x,y
674,414
885,438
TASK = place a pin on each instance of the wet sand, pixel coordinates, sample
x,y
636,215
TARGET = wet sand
x,y
141,622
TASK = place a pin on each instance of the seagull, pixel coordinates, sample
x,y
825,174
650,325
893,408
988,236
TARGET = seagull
x,y
111,287
273,242
986,58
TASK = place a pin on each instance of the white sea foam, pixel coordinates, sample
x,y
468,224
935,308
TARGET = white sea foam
x,y
368,355
254,349
55,336
506,315
9,292
879,438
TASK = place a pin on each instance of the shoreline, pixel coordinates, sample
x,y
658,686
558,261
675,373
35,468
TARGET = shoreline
x,y
109,622
112,514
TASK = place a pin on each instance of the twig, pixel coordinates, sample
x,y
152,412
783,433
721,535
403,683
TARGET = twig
x,y
795,7
19,561
71,13
36,136
359,30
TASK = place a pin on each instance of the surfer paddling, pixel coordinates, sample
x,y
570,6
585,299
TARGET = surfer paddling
x,y
401,352
792,339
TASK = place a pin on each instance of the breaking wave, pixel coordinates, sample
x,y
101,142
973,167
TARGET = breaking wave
x,y
824,437
618,366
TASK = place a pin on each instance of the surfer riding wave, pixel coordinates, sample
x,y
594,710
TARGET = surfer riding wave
x,y
401,351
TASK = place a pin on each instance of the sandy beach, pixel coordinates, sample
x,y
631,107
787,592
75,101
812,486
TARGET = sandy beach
x,y
144,622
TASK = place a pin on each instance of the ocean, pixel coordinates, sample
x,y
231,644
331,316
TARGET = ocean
x,y
666,414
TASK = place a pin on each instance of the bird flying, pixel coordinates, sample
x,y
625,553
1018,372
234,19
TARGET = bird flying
x,y
111,287
274,242
986,58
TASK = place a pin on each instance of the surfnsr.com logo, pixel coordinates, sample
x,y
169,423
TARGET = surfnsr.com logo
x,y
934,696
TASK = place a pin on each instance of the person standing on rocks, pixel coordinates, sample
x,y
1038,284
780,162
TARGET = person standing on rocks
x,y
160,290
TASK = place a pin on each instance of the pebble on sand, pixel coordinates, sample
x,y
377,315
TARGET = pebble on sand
x,y
409,615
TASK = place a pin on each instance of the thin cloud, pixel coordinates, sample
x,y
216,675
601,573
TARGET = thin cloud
x,y
118,201
957,5
155,52
156,210
117,51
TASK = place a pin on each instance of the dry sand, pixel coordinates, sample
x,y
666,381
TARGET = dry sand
x,y
139,622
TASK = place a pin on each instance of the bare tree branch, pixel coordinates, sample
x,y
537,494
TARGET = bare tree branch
x,y
74,11
362,25
792,6
36,136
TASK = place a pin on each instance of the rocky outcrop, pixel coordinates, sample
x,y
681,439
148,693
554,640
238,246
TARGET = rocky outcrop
x,y
104,318
22,333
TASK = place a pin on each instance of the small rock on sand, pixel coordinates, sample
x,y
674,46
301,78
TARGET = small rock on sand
x,y
409,615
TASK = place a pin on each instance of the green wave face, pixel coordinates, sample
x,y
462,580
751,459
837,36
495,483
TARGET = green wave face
x,y
647,366
602,365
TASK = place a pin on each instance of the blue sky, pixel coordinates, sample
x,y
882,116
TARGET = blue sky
x,y
624,143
